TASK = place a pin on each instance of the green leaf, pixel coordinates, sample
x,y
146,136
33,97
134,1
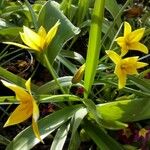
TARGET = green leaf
x,y
76,121
101,138
4,140
27,140
52,86
9,33
48,16
67,63
57,98
141,83
42,99
113,8
75,142
125,110
7,100
113,125
60,137
73,55
14,78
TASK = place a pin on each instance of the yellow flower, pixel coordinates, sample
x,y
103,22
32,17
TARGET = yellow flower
x,y
143,132
26,109
36,41
78,75
124,67
130,40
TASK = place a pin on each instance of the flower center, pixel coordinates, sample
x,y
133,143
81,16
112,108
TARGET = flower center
x,y
124,68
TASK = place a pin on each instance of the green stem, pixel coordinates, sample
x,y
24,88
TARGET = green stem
x,y
53,73
94,45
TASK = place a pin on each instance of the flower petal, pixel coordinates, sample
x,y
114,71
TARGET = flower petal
x,y
31,38
121,77
51,34
113,56
120,41
122,81
36,130
35,110
139,47
28,42
141,64
78,74
42,32
127,28
17,44
21,113
28,85
21,94
130,64
136,35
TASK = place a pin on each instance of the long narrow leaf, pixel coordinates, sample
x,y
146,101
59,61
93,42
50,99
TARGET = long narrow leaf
x,y
4,140
94,45
101,138
14,78
76,121
51,86
60,137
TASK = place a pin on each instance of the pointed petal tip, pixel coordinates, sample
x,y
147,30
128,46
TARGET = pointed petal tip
x,y
5,83
108,51
7,124
58,22
28,85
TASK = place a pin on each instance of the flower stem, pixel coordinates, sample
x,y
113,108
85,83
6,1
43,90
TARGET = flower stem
x,y
53,73
94,45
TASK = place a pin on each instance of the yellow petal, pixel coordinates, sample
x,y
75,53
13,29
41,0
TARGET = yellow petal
x,y
36,130
51,34
21,94
127,28
35,110
129,65
113,56
136,35
28,85
42,32
121,77
31,38
124,51
78,75
120,41
21,113
122,81
17,44
139,47
28,42
141,64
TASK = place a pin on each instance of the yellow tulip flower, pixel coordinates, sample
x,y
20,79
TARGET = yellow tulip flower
x,y
130,40
26,109
124,67
78,74
36,41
